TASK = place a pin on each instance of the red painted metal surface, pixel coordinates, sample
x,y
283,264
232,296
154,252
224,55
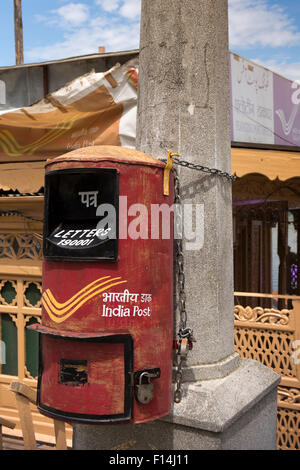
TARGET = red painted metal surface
x,y
76,305
102,395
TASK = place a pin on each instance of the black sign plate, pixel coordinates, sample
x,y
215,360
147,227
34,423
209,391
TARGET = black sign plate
x,y
81,214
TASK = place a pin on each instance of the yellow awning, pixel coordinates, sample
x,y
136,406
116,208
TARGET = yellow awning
x,y
271,163
28,177
24,176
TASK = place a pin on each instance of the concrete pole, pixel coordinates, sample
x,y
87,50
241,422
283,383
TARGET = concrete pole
x,y
184,106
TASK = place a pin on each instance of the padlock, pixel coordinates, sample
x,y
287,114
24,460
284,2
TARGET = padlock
x,y
144,392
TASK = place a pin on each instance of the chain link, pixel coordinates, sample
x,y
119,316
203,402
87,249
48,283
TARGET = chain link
x,y
204,169
185,334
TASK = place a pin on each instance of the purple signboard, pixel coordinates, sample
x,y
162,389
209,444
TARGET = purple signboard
x,y
265,108
286,112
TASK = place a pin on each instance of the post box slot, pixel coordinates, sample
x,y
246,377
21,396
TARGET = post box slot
x,y
73,372
67,382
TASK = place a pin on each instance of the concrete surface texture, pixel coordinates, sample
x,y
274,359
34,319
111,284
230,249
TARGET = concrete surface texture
x,y
183,105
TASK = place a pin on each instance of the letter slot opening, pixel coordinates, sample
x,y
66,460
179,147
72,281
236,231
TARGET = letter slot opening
x,y
73,372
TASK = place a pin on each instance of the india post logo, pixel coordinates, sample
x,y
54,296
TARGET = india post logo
x,y
59,312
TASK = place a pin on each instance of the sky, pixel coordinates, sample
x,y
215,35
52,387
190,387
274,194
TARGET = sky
x,y
265,31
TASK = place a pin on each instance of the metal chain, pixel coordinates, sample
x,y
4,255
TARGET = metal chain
x,y
204,169
185,334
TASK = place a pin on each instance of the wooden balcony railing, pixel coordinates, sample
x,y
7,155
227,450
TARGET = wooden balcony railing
x,y
271,335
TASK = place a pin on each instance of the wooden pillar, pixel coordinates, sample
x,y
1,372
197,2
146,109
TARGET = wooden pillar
x,y
282,252
298,253
267,259
45,80
18,32
297,227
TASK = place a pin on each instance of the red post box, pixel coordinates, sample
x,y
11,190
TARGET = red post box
x,y
107,306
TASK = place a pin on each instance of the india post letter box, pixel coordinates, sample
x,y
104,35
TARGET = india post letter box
x,y
106,333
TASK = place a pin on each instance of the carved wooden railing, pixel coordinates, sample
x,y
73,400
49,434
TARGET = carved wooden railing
x,y
272,337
